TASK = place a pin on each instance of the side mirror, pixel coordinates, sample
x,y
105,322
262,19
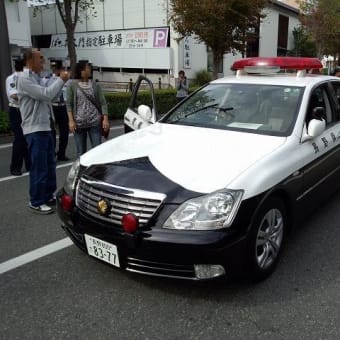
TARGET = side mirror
x,y
315,128
145,113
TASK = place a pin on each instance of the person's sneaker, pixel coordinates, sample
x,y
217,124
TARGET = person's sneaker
x,y
41,209
16,172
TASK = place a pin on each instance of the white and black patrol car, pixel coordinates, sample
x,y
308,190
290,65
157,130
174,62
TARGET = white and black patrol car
x,y
212,187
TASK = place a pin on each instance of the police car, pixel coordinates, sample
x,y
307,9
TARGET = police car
x,y
213,187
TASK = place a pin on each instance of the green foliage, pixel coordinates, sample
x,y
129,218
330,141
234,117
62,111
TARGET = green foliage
x,y
118,102
303,44
321,19
221,25
201,77
4,122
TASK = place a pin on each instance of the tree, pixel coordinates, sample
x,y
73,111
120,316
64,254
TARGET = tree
x,y
321,19
69,12
72,12
303,45
223,25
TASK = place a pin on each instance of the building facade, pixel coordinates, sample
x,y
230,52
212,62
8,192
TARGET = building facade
x,y
129,37
19,31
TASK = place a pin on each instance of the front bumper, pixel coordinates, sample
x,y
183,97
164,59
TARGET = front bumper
x,y
157,251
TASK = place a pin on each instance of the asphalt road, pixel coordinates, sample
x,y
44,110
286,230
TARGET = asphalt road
x,y
69,295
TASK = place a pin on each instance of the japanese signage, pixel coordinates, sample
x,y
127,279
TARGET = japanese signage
x,y
141,38
187,52
40,2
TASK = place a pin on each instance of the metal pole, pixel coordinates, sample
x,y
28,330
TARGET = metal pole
x,y
5,64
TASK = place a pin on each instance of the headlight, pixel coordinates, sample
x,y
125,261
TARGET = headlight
x,y
71,179
213,211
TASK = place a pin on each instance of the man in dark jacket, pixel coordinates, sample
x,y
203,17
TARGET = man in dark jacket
x,y
19,148
59,111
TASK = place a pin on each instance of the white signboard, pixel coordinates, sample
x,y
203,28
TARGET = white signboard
x,y
141,38
35,3
187,52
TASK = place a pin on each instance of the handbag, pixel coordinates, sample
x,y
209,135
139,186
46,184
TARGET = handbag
x,y
105,133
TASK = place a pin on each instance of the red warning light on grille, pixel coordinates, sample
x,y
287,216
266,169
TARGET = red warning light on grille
x,y
130,223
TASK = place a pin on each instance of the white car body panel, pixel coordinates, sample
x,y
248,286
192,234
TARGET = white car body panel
x,y
186,155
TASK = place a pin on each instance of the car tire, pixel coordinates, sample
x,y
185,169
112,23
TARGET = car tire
x,y
266,239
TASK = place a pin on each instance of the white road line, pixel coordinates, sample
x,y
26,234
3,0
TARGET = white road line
x,y
34,255
4,179
5,146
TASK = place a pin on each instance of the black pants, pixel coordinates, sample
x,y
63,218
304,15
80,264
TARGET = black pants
x,y
19,149
61,119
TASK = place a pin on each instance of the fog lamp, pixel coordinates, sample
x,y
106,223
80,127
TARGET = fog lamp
x,y
208,271
66,202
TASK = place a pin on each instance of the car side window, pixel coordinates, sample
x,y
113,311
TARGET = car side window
x,y
319,98
335,89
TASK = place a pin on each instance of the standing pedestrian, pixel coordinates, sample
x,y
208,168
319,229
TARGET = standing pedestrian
x,y
60,112
36,112
87,108
182,86
19,148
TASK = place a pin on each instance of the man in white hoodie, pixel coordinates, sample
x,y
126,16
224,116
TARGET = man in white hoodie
x,y
36,113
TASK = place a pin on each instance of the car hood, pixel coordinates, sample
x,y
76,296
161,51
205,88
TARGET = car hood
x,y
199,159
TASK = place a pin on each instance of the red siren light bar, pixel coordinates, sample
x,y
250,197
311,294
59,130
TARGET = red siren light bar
x,y
292,63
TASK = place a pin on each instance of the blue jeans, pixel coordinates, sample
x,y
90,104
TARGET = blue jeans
x,y
80,136
43,181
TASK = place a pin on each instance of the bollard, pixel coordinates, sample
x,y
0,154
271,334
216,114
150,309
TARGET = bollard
x,y
159,83
130,85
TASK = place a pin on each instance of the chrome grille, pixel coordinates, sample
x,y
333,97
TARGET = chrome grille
x,y
161,269
141,203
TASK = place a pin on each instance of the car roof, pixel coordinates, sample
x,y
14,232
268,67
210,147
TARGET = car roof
x,y
276,79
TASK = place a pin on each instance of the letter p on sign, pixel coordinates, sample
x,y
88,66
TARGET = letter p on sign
x,y
160,37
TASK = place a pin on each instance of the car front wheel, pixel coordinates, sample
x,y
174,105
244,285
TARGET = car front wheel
x,y
266,239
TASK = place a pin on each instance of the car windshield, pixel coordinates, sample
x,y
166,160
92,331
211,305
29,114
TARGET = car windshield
x,y
265,109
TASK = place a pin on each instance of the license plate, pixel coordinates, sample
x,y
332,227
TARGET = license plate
x,y
102,250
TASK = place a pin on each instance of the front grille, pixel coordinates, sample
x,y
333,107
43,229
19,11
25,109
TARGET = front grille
x,y
122,201
161,269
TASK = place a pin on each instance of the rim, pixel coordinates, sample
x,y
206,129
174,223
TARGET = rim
x,y
269,238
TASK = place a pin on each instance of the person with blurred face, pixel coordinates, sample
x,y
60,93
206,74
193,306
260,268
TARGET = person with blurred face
x,y
59,112
19,147
87,108
182,86
36,113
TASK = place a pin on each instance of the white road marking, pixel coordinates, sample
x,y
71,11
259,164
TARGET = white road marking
x,y
3,179
5,146
34,255
45,250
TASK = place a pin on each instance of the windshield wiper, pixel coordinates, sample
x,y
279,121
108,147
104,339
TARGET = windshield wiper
x,y
201,109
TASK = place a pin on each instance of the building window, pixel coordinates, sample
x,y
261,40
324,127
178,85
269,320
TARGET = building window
x,y
282,36
252,49
41,41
